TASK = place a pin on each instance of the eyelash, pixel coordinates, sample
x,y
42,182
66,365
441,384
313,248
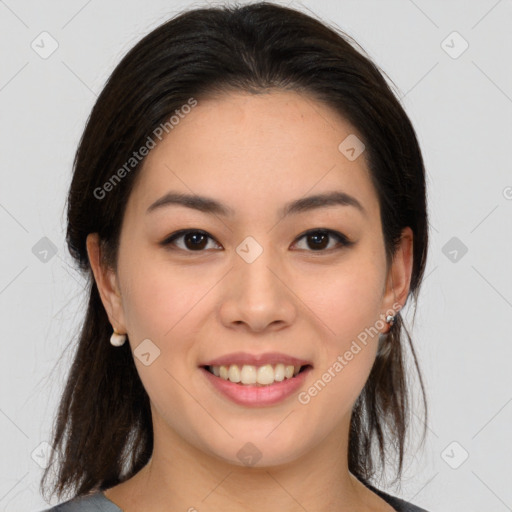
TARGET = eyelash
x,y
340,237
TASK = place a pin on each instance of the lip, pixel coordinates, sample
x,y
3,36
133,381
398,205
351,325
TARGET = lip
x,y
257,396
242,358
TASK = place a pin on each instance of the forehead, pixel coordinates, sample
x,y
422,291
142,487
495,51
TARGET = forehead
x,y
251,150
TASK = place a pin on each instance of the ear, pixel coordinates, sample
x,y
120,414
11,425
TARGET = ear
x,y
399,276
106,281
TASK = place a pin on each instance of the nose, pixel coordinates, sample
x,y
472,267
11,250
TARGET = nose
x,y
258,295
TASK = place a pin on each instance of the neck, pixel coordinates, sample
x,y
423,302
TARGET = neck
x,y
180,476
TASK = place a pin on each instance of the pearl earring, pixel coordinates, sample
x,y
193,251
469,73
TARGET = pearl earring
x,y
117,339
390,319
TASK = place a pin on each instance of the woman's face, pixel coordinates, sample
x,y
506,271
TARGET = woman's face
x,y
252,281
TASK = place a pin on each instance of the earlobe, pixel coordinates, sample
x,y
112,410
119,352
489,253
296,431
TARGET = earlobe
x,y
106,281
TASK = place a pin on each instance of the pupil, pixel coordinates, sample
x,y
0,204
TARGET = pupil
x,y
316,237
194,237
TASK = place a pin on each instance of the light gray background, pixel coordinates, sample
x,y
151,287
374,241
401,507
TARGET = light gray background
x,y
462,110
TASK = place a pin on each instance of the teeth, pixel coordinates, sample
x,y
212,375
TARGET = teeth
x,y
233,374
249,374
279,372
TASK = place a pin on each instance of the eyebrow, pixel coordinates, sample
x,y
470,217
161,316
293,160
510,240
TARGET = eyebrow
x,y
211,206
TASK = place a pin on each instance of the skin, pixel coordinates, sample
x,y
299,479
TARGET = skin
x,y
254,153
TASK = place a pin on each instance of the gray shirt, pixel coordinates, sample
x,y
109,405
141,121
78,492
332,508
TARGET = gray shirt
x,y
98,502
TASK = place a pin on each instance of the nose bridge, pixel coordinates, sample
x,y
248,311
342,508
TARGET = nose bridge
x,y
255,269
257,295
253,265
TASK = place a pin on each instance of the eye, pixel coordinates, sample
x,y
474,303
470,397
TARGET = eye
x,y
194,240
318,239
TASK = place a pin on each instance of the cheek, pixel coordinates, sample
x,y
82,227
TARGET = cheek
x,y
163,305
347,351
160,297
347,302
347,298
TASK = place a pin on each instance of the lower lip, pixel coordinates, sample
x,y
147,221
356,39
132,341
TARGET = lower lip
x,y
254,396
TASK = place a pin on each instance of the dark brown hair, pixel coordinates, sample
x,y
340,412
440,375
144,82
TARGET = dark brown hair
x,y
102,433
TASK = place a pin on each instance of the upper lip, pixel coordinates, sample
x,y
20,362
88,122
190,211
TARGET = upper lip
x,y
242,358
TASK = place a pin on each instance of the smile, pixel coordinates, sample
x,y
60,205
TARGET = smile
x,y
257,394
256,375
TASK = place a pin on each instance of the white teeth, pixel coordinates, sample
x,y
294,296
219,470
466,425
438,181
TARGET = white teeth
x,y
249,374
279,372
265,374
234,373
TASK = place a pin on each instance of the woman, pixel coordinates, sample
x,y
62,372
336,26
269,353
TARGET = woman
x,y
249,203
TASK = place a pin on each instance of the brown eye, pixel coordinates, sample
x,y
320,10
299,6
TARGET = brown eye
x,y
192,240
319,239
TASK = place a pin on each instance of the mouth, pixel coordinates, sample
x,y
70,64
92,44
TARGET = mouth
x,y
257,376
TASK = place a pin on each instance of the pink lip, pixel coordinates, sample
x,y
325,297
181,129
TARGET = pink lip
x,y
242,358
254,396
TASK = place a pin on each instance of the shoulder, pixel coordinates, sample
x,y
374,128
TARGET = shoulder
x,y
403,506
96,502
398,504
